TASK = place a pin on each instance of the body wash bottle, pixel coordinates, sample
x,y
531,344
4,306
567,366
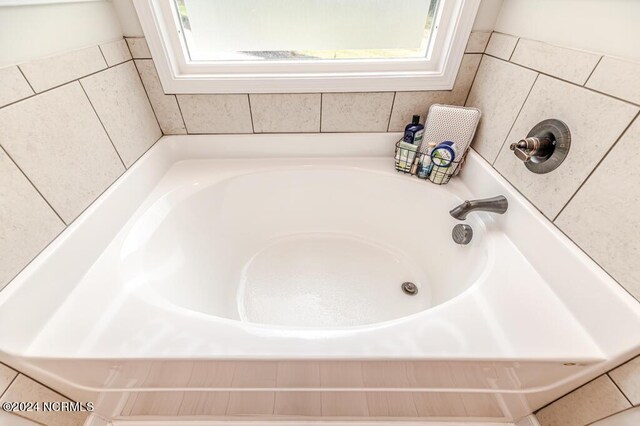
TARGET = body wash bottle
x,y
414,131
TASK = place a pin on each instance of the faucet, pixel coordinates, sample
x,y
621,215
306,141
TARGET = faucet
x,y
497,204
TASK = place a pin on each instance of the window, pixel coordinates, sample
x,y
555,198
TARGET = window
x,y
280,46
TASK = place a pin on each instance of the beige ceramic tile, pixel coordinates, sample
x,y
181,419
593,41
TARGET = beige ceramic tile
x,y
568,64
593,401
65,151
115,52
54,71
13,86
630,417
7,419
609,200
501,45
627,376
124,110
25,389
356,112
499,91
216,113
165,106
595,121
27,224
6,374
477,41
138,47
285,113
617,78
298,404
407,104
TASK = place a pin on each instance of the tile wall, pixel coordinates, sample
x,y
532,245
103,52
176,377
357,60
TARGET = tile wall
x,y
71,125
298,113
593,196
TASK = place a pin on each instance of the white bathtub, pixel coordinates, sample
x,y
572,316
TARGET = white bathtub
x,y
231,276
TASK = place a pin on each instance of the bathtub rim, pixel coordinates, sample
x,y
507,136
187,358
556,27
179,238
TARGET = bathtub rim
x,y
177,148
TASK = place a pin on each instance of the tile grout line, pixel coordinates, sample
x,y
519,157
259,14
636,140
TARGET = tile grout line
x,y
515,120
144,88
34,187
569,238
104,58
586,179
66,225
320,115
618,387
570,392
17,414
393,103
516,189
321,98
34,380
102,124
61,84
592,259
11,382
175,96
566,81
135,65
253,128
592,71
473,81
28,82
514,49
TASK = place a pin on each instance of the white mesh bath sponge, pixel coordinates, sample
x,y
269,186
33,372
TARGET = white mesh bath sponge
x,y
450,123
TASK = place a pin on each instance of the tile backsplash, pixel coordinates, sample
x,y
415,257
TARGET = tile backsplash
x,y
298,113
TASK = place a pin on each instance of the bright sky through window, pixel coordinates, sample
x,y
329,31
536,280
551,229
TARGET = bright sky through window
x,y
299,30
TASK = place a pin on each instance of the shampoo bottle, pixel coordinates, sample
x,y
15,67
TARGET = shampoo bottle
x,y
414,131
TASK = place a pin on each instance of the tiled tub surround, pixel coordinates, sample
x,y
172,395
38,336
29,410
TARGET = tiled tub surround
x,y
298,113
71,125
609,82
593,196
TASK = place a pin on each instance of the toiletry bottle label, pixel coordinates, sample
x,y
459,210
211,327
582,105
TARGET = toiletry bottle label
x,y
417,139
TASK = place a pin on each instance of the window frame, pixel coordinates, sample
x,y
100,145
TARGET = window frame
x,y
178,74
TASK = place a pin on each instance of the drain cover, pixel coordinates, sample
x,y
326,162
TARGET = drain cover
x,y
409,288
